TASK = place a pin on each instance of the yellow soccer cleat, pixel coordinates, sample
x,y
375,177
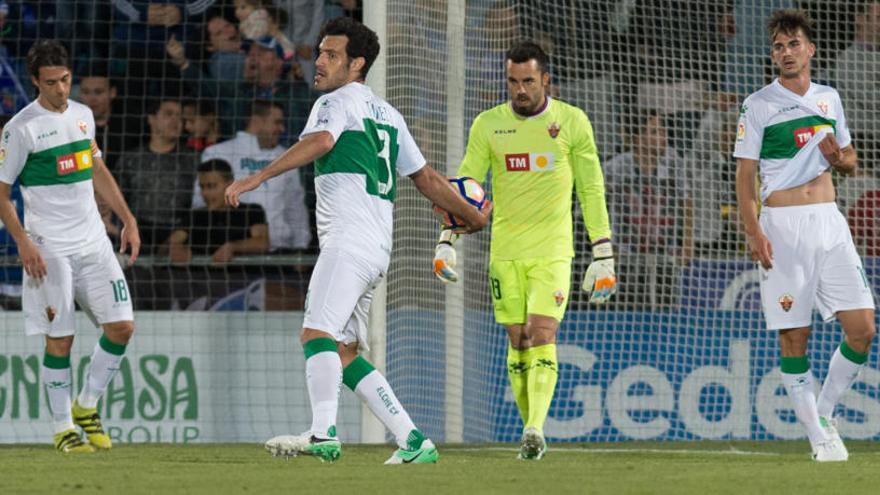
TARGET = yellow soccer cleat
x,y
70,442
90,422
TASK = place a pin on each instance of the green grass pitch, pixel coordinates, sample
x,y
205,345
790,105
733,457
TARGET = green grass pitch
x,y
633,467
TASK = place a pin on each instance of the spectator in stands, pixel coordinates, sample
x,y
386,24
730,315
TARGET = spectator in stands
x,y
857,73
223,44
85,26
283,198
263,78
141,29
652,212
157,177
710,170
255,21
217,230
201,124
114,132
306,19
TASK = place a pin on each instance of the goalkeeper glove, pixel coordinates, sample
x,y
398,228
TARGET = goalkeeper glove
x,y
444,257
599,278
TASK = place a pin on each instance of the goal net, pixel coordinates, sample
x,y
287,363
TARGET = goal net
x,y
681,351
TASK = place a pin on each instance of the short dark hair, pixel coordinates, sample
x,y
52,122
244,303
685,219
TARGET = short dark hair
x,y
262,108
788,21
526,50
152,105
362,41
97,68
46,53
222,167
637,122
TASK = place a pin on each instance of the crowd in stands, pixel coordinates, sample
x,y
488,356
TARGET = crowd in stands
x,y
189,94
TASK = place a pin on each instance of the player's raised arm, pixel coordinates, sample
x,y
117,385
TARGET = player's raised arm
x,y
436,188
308,149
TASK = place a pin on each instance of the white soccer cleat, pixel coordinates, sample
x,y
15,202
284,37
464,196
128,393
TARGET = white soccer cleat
x,y
830,451
830,427
288,445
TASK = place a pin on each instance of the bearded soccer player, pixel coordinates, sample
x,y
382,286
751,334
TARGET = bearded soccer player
x,y
794,131
537,149
358,142
49,146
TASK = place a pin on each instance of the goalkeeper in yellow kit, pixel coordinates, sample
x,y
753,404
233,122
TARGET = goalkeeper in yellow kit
x,y
537,148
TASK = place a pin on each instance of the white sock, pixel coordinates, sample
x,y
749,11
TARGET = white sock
x,y
102,369
801,391
375,390
57,384
841,374
324,377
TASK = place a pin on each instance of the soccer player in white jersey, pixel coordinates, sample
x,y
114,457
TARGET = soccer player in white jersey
x,y
794,131
49,147
357,141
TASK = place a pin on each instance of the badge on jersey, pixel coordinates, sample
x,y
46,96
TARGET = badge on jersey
x,y
83,127
559,296
553,129
823,106
741,132
786,301
529,162
73,162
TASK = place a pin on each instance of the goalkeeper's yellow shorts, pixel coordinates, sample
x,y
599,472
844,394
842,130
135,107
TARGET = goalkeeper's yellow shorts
x,y
537,286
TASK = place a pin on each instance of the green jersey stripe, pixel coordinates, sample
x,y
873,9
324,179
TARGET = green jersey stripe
x,y
42,169
371,152
781,140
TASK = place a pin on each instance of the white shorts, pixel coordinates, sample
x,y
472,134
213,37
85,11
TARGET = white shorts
x,y
815,264
93,278
340,293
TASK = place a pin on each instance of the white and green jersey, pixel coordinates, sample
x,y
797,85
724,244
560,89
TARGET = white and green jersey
x,y
355,182
51,154
782,130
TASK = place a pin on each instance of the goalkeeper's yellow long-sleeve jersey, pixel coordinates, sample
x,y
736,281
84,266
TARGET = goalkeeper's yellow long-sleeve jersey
x,y
535,161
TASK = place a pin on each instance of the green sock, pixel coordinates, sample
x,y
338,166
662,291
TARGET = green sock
x,y
541,384
518,372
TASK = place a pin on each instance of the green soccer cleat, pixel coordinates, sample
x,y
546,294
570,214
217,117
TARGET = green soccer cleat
x,y
420,450
425,454
326,449
90,422
533,446
70,442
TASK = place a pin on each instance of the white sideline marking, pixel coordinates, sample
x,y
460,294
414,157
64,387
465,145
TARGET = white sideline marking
x,y
576,450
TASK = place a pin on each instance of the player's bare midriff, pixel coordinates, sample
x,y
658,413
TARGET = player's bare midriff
x,y
818,190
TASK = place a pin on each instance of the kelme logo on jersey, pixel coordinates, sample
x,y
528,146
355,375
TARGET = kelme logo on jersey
x,y
802,135
529,162
786,301
72,162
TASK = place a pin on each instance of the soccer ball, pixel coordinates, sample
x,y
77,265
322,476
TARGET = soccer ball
x,y
471,191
